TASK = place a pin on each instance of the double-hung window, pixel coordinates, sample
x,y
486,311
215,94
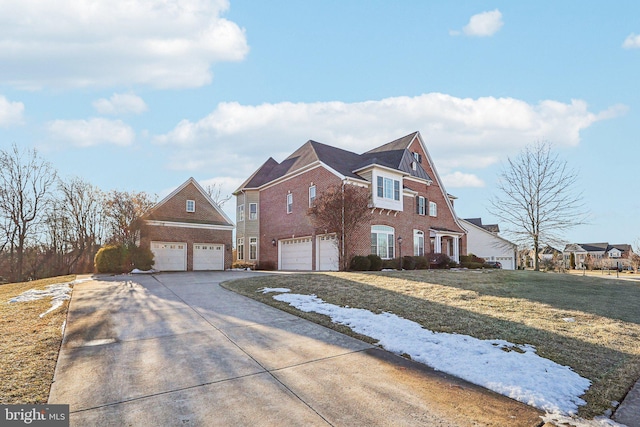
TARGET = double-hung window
x,y
289,203
240,213
421,205
253,211
191,205
312,195
388,188
253,248
240,249
382,241
433,209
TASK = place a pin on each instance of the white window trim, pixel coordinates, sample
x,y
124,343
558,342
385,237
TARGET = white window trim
x,y
390,242
416,234
240,249
433,209
193,204
289,203
253,215
240,213
390,180
253,243
422,205
312,199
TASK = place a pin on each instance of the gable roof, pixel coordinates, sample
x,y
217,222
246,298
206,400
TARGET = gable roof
x,y
394,155
492,228
473,223
206,196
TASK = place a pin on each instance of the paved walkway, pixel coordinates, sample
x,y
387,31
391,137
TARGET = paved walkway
x,y
177,349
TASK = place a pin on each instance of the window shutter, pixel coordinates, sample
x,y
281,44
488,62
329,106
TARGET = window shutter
x,y
418,205
380,187
396,190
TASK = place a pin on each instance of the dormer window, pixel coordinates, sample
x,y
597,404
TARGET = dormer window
x,y
417,156
191,205
388,188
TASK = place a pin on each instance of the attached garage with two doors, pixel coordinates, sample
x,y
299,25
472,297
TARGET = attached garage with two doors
x,y
172,256
297,254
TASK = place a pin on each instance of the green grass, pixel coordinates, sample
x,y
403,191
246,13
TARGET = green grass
x,y
29,345
524,307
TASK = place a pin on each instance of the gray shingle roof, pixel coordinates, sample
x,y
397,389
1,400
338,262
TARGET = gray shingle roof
x,y
393,155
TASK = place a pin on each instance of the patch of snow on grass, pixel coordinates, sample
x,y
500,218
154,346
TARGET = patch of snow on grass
x,y
269,290
510,369
563,420
58,292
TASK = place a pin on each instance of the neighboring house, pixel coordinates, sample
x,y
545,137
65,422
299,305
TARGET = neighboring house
x,y
408,200
549,253
598,255
483,241
188,231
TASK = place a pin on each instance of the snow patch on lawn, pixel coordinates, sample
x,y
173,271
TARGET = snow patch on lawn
x,y
269,290
58,293
563,420
510,369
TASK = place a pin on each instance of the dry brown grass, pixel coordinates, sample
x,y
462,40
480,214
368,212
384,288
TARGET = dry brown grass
x,y
602,343
29,345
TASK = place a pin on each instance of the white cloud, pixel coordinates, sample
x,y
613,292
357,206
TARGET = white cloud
x,y
632,41
10,112
483,24
120,103
77,43
459,180
87,133
460,133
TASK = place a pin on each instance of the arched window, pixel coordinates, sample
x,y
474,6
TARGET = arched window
x,y
418,243
382,241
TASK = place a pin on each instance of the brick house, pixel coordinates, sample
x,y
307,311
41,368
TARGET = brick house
x,y
188,231
408,200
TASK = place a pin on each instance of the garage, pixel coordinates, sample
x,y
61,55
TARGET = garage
x,y
208,256
295,254
326,253
169,256
507,262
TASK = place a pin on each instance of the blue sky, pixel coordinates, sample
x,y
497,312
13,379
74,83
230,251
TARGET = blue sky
x,y
141,95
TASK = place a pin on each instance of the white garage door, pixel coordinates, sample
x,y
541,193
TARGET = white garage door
x,y
507,262
326,253
295,254
208,256
169,256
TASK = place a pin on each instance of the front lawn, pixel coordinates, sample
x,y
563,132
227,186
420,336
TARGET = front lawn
x,y
590,324
29,344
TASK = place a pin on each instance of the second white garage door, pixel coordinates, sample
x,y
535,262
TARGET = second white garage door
x,y
326,253
295,254
169,256
208,256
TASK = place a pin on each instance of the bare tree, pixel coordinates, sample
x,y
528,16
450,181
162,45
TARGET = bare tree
x,y
536,198
215,192
340,209
77,224
123,211
26,181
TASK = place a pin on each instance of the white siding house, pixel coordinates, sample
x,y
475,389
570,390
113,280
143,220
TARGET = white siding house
x,y
488,245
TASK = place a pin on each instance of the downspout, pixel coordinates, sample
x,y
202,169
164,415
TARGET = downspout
x,y
342,230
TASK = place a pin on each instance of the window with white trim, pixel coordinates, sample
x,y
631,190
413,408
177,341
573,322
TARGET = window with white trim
x,y
240,249
382,241
253,211
253,248
312,195
289,203
418,243
388,188
191,205
433,209
421,205
417,156
240,213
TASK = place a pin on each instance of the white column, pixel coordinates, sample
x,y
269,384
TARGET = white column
x,y
456,248
438,243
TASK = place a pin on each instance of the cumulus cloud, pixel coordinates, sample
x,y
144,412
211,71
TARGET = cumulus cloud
x,y
461,133
10,112
120,103
460,179
632,41
483,24
87,133
78,43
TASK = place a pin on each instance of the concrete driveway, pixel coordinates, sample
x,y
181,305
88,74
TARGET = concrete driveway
x,y
177,349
